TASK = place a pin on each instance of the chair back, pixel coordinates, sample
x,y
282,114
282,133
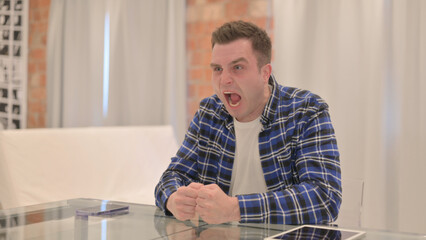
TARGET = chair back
x,y
112,163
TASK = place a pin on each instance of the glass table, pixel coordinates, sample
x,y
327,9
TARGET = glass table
x,y
58,220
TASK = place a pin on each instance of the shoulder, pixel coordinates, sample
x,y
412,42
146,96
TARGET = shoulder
x,y
211,111
296,98
211,103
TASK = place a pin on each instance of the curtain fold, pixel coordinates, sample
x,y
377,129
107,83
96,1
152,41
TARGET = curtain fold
x,y
144,61
367,60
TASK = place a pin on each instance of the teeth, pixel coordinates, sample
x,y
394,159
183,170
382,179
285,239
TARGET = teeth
x,y
234,105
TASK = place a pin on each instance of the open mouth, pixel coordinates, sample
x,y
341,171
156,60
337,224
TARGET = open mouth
x,y
233,98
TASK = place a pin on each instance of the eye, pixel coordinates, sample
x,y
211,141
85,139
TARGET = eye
x,y
217,69
238,67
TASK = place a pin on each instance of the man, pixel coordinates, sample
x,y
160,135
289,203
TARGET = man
x,y
255,151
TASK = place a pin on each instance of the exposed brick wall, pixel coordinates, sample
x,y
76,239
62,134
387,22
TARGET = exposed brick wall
x,y
202,18
37,38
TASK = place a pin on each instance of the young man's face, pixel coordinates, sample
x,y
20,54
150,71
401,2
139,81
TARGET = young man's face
x,y
237,80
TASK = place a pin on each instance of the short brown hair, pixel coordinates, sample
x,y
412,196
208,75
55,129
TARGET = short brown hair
x,y
231,31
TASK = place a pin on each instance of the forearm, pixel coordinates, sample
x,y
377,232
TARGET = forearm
x,y
305,203
168,184
181,171
164,189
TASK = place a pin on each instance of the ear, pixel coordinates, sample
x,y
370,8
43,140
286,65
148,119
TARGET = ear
x,y
266,72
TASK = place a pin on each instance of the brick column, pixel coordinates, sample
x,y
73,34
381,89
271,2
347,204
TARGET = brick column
x,y
37,38
202,18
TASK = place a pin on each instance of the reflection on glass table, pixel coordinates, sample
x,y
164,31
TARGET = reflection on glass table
x,y
58,220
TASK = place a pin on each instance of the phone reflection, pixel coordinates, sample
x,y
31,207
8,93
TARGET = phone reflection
x,y
81,227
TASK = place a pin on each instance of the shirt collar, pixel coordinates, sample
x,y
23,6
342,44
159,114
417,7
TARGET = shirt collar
x,y
270,109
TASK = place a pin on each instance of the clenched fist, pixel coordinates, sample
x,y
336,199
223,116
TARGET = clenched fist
x,y
215,207
182,203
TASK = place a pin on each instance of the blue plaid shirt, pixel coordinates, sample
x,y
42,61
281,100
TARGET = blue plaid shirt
x,y
298,154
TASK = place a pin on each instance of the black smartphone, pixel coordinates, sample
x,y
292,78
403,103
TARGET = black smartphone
x,y
107,209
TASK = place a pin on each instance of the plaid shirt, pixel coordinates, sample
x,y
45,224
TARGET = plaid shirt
x,y
298,154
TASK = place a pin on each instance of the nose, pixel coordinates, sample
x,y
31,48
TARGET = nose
x,y
225,78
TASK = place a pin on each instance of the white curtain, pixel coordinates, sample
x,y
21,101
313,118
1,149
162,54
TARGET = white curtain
x,y
367,59
146,53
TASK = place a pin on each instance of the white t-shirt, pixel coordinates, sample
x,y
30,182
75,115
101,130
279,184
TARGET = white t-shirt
x,y
247,174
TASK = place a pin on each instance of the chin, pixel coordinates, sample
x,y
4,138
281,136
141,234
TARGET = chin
x,y
234,114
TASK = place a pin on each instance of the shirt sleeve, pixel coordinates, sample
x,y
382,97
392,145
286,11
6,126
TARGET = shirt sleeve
x,y
182,169
316,195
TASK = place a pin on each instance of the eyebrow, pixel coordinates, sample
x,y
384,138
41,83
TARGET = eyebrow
x,y
213,65
241,59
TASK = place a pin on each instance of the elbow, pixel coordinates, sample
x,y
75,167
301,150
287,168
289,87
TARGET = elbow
x,y
330,211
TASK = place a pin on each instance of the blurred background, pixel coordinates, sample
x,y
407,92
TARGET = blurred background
x,y
132,62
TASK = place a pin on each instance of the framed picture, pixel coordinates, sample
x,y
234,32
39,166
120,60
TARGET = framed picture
x,y
13,63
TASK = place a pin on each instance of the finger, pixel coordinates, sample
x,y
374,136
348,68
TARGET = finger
x,y
188,192
191,193
186,201
202,204
209,190
212,186
199,203
205,193
184,212
187,209
195,185
200,210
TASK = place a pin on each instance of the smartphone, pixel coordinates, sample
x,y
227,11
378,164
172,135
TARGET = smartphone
x,y
107,209
318,232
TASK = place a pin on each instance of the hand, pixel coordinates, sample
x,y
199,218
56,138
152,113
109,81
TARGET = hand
x,y
215,207
221,233
182,202
179,227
